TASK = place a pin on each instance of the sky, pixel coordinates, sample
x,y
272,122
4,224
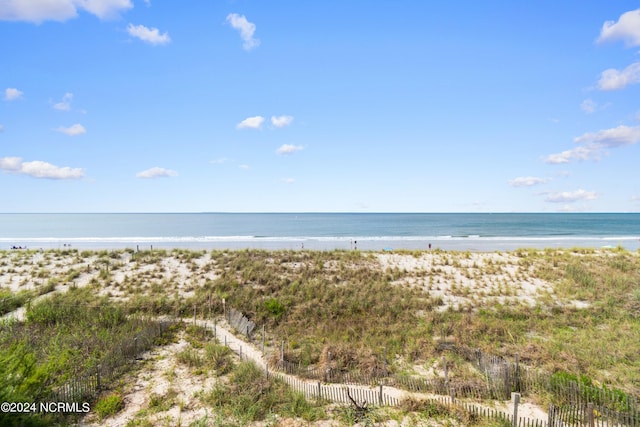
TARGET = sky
x,y
332,106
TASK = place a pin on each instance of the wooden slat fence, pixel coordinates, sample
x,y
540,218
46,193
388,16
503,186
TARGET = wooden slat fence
x,y
589,415
86,387
501,378
240,322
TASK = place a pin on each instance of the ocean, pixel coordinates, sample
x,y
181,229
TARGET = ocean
x,y
320,231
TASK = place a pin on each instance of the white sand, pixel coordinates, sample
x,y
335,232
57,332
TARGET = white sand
x,y
460,280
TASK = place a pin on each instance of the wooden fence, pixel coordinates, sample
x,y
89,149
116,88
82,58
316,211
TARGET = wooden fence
x,y
589,415
87,387
501,378
340,394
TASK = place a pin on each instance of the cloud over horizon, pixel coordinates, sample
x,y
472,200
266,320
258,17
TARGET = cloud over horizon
x,y
289,149
627,28
246,30
281,121
11,94
65,103
254,122
594,144
571,196
73,130
156,172
39,169
612,79
37,11
527,181
148,35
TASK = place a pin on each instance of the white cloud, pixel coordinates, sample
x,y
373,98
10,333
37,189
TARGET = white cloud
x,y
156,172
627,28
594,144
219,161
148,35
246,30
289,149
10,164
244,167
11,94
571,196
610,138
589,106
281,121
288,180
37,11
254,122
65,104
73,130
526,181
39,169
578,153
613,79
635,199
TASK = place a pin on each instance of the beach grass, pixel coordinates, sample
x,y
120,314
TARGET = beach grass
x,y
574,311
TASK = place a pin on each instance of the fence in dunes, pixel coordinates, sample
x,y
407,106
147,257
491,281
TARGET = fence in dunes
x,y
86,387
501,378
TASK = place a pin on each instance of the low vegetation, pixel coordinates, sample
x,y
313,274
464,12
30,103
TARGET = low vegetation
x,y
574,313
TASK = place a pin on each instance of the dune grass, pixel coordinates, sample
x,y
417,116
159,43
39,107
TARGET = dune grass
x,y
584,322
63,337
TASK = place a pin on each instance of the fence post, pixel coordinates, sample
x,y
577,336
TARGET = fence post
x,y
380,396
282,352
319,391
516,401
98,377
590,415
328,371
507,386
384,370
517,372
446,373
550,416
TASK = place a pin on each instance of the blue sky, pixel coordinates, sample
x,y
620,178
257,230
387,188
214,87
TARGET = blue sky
x,y
356,106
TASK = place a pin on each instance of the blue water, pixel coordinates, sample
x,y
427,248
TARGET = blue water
x,y
366,231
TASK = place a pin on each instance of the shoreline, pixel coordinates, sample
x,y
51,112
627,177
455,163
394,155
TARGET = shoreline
x,y
375,244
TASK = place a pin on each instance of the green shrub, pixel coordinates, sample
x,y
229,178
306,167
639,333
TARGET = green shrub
x,y
109,405
274,308
219,358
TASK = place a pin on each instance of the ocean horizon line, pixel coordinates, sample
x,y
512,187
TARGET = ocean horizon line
x,y
329,212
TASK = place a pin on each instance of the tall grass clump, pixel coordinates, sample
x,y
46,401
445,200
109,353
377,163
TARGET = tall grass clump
x,y
249,396
9,301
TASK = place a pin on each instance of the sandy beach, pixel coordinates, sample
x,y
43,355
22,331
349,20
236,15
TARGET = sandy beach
x,y
455,282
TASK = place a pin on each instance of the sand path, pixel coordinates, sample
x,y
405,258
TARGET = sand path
x,y
250,351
